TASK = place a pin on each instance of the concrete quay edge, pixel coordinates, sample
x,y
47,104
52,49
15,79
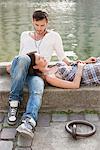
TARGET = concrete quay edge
x,y
56,99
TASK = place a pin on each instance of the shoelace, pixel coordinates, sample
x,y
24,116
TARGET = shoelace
x,y
28,124
13,111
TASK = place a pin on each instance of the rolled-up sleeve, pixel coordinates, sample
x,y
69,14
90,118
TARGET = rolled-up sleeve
x,y
58,47
21,43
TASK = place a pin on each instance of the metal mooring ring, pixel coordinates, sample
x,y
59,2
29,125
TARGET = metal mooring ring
x,y
73,124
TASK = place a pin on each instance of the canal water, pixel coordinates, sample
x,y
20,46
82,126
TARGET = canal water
x,y
77,21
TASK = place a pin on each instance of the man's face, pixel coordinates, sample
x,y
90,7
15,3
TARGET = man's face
x,y
40,25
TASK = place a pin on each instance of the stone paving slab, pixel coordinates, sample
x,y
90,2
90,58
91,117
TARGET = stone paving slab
x,y
75,116
59,117
6,145
42,139
8,133
92,117
18,148
23,141
44,120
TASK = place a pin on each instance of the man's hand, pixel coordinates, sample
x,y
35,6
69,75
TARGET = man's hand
x,y
8,67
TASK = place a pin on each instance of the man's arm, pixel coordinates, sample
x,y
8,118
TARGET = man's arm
x,y
67,61
59,49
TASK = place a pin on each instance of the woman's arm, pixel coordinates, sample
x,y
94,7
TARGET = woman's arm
x,y
53,80
89,60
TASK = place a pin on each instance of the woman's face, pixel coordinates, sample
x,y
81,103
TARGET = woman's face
x,y
40,61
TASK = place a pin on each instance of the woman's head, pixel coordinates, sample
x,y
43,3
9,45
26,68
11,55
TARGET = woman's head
x,y
40,61
37,61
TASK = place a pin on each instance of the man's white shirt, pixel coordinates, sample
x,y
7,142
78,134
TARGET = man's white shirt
x,y
50,42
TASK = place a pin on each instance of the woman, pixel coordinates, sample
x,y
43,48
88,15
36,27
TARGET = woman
x,y
64,76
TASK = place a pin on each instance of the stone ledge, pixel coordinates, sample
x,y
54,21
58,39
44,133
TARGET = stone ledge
x,y
56,99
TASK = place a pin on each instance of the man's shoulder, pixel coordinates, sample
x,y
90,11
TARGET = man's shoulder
x,y
53,32
25,33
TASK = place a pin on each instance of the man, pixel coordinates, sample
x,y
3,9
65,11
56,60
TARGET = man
x,y
44,42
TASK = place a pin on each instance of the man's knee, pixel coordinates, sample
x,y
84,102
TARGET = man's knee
x,y
21,59
20,65
24,59
23,62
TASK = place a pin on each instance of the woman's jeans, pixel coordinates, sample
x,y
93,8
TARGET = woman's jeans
x,y
19,76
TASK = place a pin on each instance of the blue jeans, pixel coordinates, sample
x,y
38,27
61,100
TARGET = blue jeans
x,y
19,76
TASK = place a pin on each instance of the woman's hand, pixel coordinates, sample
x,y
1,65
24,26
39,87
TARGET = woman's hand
x,y
81,64
80,67
78,75
90,60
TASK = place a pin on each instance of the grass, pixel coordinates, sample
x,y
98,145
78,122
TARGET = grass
x,y
80,112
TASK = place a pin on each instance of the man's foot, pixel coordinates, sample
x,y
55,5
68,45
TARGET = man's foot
x,y
27,128
12,114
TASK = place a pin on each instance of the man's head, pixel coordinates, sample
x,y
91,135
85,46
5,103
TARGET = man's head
x,y
40,15
40,21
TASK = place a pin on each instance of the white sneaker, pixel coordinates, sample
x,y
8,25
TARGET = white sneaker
x,y
26,128
12,114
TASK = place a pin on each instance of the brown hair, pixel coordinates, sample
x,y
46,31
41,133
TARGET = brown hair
x,y
40,15
31,70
